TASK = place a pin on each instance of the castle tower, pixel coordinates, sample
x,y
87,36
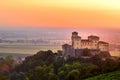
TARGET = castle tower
x,y
68,50
94,40
76,40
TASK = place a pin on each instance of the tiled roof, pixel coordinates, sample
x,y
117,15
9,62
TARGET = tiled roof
x,y
102,42
85,40
74,32
92,36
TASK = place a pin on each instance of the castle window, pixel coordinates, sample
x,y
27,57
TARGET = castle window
x,y
83,43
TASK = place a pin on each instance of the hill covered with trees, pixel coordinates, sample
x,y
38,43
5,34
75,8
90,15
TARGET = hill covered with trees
x,y
46,65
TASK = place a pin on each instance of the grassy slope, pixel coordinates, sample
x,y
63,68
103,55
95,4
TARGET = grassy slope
x,y
108,76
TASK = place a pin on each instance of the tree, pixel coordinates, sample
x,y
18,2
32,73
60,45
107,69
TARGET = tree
x,y
109,65
17,76
67,68
39,59
3,77
97,59
58,63
9,61
40,73
73,75
53,77
88,69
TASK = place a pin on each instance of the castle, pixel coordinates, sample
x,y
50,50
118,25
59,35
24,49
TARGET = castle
x,y
93,44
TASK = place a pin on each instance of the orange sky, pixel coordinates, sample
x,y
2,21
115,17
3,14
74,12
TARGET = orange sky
x,y
57,13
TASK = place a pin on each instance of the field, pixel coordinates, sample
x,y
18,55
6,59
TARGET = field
x,y
14,54
108,76
26,49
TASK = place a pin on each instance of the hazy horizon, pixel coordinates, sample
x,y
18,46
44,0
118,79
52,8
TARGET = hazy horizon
x,y
61,33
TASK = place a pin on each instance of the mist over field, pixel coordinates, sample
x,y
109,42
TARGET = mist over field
x,y
58,33
32,40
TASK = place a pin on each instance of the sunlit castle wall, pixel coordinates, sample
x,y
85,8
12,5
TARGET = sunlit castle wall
x,y
76,40
78,45
86,44
90,43
103,46
94,42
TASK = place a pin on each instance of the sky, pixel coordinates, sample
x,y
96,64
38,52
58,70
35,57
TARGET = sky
x,y
103,14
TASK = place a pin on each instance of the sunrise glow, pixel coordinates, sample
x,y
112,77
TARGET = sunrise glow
x,y
60,13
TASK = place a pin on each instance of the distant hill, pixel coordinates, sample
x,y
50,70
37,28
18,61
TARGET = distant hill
x,y
108,76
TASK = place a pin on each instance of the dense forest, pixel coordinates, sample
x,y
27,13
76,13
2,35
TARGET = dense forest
x,y
46,65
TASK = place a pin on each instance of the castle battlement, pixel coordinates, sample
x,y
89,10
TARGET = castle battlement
x,y
93,42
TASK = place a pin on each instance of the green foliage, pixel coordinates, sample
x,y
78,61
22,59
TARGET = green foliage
x,y
41,73
59,61
10,61
7,64
68,69
88,70
73,75
2,77
71,60
97,60
17,76
45,65
62,74
53,77
109,65
39,59
108,76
